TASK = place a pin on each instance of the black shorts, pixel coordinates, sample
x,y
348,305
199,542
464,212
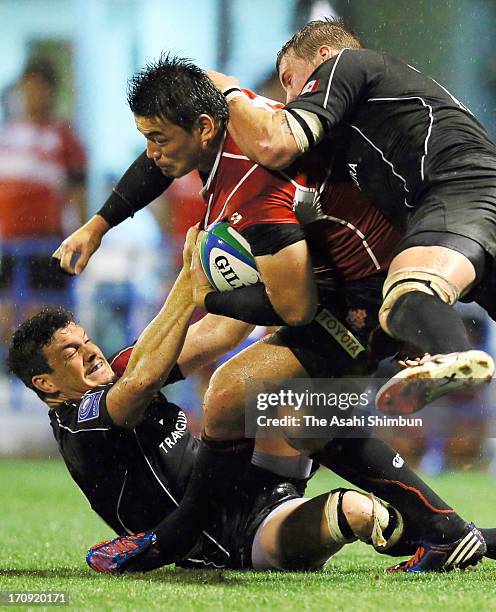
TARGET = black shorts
x,y
235,523
459,215
331,345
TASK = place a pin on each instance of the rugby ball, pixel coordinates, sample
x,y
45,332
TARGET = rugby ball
x,y
226,259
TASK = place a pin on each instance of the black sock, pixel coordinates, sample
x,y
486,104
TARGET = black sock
x,y
218,466
372,465
490,537
428,323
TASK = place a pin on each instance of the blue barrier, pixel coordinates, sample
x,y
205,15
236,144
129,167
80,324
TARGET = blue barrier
x,y
20,293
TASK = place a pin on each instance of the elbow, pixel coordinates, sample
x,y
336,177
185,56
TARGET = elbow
x,y
274,156
300,315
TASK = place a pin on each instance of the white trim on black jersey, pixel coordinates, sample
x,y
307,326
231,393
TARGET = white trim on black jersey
x,y
76,431
384,160
172,498
455,100
429,129
328,91
129,532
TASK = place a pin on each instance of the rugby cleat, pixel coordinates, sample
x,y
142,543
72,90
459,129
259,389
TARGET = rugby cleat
x,y
416,386
117,556
464,553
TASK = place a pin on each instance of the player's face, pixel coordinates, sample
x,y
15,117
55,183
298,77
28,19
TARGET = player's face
x,y
294,72
174,150
78,365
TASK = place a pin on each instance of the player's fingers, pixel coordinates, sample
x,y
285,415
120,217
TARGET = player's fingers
x,y
66,258
195,260
189,243
195,268
82,261
192,234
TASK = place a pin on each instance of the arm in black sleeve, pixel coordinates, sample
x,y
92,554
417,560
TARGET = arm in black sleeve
x,y
269,238
141,184
336,88
250,304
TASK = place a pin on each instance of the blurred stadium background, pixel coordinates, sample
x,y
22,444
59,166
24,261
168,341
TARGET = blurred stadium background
x,y
94,46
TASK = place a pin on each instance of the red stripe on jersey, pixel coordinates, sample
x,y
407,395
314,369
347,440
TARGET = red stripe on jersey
x,y
120,361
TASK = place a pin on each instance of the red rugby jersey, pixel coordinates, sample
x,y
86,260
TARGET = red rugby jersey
x,y
347,236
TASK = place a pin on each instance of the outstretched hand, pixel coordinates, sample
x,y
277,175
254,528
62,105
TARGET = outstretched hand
x,y
75,251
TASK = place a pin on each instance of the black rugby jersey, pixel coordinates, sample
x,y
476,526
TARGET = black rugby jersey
x,y
405,132
132,478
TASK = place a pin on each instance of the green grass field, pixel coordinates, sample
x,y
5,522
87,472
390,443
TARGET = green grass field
x,y
46,527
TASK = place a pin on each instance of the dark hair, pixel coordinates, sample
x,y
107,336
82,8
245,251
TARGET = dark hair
x,y
175,89
26,357
42,68
329,31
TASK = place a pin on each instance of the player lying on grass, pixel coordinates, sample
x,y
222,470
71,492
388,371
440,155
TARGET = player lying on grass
x,y
131,453
421,156
350,242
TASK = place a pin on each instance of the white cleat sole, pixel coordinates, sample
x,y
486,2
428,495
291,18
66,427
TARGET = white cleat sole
x,y
415,387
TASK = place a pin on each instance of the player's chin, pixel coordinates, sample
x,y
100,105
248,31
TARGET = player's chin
x,y
171,171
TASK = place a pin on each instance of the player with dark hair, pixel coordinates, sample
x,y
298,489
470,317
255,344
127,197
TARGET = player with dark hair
x,y
133,465
181,93
357,242
427,163
131,453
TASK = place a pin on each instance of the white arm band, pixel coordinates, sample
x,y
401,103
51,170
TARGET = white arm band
x,y
312,122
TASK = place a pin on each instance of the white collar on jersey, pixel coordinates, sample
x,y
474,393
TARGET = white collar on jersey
x,y
210,178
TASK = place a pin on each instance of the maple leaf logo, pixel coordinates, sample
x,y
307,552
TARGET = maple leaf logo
x,y
357,318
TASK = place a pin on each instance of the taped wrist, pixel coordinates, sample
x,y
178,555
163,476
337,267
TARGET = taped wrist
x,y
140,184
250,304
232,92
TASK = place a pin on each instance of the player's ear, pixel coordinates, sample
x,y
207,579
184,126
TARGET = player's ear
x,y
326,52
43,382
208,129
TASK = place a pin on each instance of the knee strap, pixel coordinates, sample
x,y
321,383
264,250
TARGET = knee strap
x,y
387,522
406,280
387,527
338,526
